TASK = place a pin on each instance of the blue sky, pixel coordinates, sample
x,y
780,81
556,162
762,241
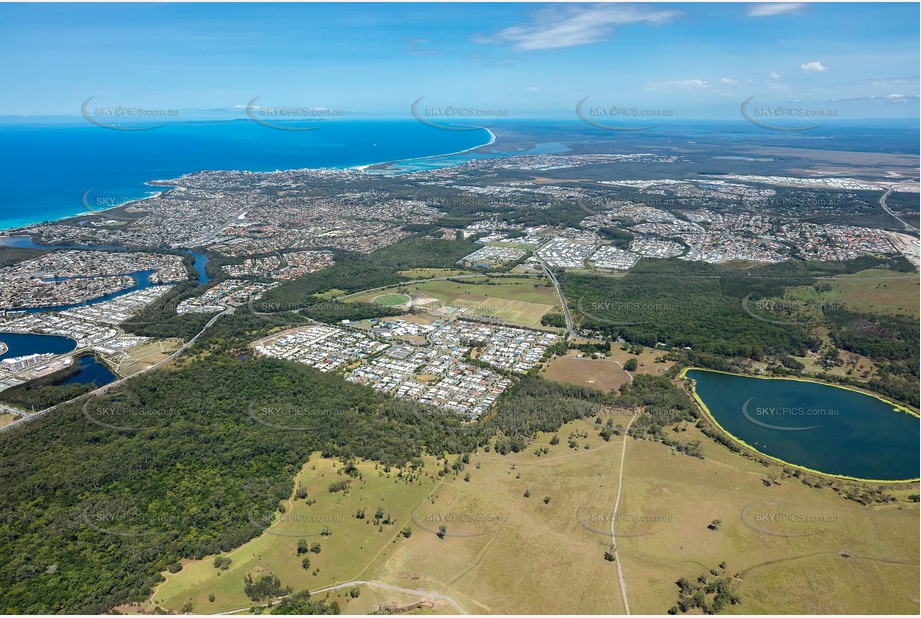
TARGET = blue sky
x,y
699,60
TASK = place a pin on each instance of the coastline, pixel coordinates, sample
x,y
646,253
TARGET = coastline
x,y
5,232
742,443
363,168
8,231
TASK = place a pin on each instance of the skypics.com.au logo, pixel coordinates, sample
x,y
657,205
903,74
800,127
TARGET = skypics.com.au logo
x,y
605,523
127,118
441,117
621,118
285,417
773,520
459,523
784,117
778,418
788,312
101,203
291,117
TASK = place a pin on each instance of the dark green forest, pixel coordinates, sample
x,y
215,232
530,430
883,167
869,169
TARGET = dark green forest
x,y
100,497
703,307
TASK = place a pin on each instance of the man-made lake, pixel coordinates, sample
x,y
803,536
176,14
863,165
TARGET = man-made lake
x,y
23,344
19,344
91,371
824,428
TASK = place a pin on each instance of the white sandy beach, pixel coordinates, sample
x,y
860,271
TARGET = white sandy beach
x,y
492,140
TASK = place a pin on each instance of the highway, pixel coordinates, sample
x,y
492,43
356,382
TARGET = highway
x,y
559,293
882,202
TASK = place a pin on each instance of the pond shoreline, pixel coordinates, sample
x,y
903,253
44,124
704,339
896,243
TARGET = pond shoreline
x,y
691,384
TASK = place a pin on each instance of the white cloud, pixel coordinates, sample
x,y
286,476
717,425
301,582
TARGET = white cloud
x,y
728,81
886,99
532,89
774,75
888,83
680,84
556,28
769,9
815,65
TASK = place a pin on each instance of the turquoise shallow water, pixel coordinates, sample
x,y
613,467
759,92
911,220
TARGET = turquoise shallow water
x,y
825,428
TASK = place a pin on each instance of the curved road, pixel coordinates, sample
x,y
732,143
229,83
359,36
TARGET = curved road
x,y
102,389
629,375
559,292
359,582
882,202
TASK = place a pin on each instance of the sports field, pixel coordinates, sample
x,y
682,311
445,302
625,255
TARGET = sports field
x,y
392,300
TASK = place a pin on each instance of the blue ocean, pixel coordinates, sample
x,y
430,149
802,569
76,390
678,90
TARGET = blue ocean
x,y
49,167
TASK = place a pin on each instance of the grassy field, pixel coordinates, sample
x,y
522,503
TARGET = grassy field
x,y
522,301
789,548
507,553
531,290
353,544
783,543
866,292
669,499
603,374
870,290
512,311
646,360
518,301
143,356
392,300
430,273
330,294
414,318
6,419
